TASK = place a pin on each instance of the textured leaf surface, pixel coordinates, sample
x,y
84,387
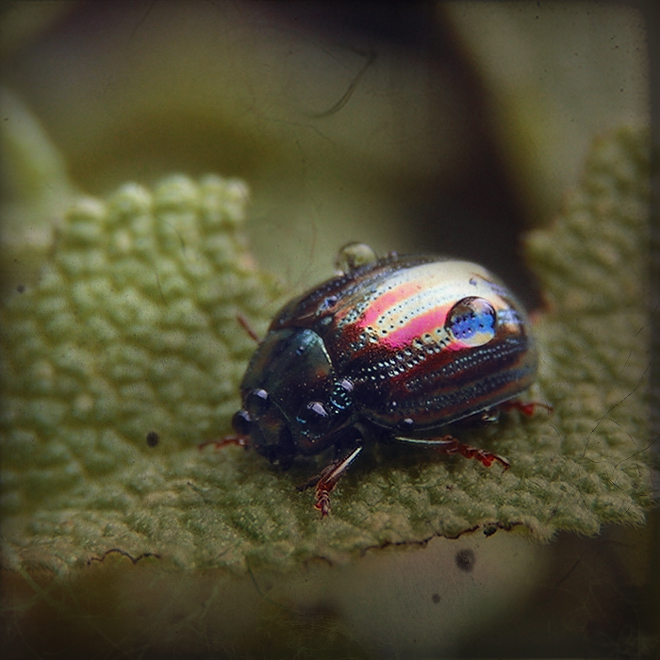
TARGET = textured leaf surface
x,y
132,329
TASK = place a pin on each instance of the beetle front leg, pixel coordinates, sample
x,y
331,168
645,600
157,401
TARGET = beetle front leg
x,y
238,440
328,479
449,445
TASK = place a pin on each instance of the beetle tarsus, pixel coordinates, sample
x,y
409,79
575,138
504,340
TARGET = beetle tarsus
x,y
325,485
450,445
527,409
322,503
239,440
327,480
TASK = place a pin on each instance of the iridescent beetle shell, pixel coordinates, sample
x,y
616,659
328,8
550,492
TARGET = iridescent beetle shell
x,y
396,348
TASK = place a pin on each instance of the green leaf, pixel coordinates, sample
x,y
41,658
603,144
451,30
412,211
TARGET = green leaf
x,y
127,354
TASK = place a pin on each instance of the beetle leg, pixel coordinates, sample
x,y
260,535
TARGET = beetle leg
x,y
449,445
240,440
526,409
328,479
245,324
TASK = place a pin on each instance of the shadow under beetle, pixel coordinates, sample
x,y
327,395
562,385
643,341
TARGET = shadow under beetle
x,y
395,349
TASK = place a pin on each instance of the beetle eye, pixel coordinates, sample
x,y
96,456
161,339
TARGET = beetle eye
x,y
313,413
472,321
256,402
241,422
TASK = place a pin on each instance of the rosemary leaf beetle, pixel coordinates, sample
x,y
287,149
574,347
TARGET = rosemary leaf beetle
x,y
391,349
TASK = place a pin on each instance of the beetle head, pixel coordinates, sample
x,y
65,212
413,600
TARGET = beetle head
x,y
293,402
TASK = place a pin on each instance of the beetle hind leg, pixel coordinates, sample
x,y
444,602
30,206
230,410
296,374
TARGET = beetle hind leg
x,y
450,445
327,480
528,409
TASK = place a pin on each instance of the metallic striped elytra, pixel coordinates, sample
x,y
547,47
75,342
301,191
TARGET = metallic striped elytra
x,y
397,348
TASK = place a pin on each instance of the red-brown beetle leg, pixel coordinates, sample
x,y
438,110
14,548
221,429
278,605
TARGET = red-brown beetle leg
x,y
245,324
527,409
328,480
240,440
450,445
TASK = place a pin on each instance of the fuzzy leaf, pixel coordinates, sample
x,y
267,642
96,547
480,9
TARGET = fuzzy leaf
x,y
127,355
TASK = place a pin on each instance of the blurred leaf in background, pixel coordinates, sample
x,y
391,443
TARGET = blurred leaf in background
x,y
453,137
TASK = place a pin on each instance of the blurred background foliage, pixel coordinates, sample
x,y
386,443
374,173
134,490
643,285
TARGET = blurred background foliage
x,y
439,127
414,127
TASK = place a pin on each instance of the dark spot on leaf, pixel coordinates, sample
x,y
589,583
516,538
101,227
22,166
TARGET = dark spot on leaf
x,y
465,560
435,598
152,439
20,288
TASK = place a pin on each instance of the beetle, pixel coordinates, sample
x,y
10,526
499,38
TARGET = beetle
x,y
392,349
